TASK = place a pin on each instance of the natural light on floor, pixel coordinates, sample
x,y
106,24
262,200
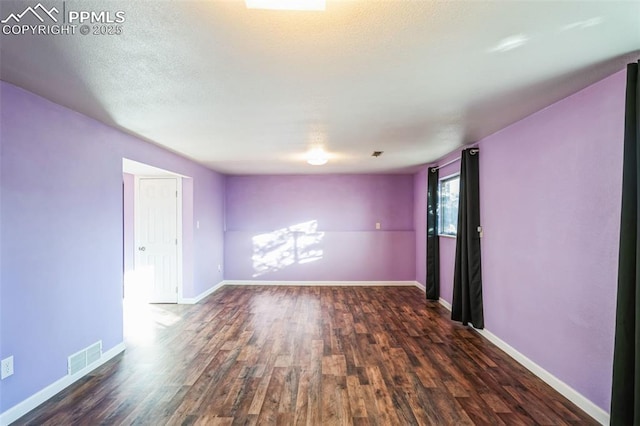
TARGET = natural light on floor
x,y
296,244
141,318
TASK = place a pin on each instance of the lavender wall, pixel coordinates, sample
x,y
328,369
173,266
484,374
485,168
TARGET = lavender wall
x,y
2,350
62,240
559,275
345,209
188,228
208,247
550,189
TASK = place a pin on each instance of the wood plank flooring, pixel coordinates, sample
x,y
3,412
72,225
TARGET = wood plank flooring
x,y
306,355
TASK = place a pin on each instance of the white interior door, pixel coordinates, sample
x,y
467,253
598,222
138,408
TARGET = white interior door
x,y
157,239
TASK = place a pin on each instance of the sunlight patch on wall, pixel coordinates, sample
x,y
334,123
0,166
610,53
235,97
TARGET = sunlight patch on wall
x,y
296,244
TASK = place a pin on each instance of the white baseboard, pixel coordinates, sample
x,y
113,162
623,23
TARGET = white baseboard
x,y
22,408
194,300
567,391
571,394
325,283
445,303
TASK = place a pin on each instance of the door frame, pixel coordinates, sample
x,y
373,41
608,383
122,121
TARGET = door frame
x,y
136,224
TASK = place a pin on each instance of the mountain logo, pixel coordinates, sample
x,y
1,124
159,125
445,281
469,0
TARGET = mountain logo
x,y
33,11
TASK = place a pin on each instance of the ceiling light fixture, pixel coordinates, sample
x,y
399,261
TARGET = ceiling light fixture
x,y
286,4
317,157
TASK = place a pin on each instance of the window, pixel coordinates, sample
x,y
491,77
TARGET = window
x,y
448,205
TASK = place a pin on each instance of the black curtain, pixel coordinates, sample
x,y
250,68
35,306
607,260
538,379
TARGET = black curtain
x,y
625,393
467,279
433,250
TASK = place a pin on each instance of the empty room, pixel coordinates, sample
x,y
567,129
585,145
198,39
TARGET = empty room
x,y
320,212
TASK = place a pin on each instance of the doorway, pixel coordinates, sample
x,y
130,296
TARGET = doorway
x,y
152,234
156,238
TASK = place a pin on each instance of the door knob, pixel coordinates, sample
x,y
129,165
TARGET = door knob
x,y
142,248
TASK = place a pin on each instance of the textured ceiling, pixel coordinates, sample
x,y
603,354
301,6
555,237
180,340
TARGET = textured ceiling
x,y
250,91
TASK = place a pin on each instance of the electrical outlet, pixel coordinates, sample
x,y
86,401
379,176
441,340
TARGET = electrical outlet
x,y
7,367
219,268
378,225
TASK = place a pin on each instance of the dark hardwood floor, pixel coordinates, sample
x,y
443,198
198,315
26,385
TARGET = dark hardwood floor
x,y
306,355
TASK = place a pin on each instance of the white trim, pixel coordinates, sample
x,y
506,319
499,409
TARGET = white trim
x,y
448,236
325,283
439,216
179,224
133,167
444,303
194,300
22,408
564,389
136,224
571,394
449,176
